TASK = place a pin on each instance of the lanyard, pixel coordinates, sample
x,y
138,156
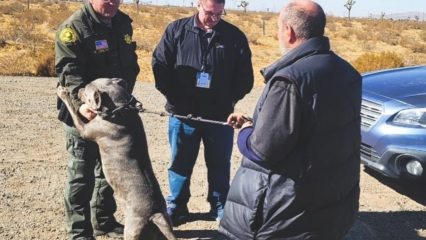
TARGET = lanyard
x,y
205,38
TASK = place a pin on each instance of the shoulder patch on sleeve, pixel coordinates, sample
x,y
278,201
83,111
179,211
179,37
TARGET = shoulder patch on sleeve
x,y
68,36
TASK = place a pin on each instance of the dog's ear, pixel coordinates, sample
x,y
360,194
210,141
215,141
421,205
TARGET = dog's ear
x,y
121,82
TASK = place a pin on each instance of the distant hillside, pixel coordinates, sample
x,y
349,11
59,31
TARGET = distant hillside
x,y
417,16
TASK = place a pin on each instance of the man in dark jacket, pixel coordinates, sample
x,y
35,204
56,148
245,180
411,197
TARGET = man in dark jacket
x,y
202,66
299,177
95,42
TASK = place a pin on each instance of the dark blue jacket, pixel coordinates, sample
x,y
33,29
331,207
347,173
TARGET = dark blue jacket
x,y
307,133
179,56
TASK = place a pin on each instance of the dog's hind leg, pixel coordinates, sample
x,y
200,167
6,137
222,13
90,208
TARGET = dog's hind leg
x,y
163,225
134,225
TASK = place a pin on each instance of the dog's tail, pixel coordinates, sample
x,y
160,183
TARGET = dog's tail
x,y
163,224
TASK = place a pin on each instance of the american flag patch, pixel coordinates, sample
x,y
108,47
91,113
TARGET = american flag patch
x,y
101,44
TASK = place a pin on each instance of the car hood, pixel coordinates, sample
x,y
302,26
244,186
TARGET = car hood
x,y
405,84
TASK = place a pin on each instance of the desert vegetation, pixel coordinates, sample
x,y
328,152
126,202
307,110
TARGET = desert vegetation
x,y
28,31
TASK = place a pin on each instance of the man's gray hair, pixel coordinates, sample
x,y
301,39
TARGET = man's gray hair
x,y
304,23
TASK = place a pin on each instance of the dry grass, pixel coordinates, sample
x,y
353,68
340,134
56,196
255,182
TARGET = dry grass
x,y
26,42
373,61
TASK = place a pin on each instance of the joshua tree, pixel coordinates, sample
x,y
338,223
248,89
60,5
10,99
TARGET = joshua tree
x,y
349,4
382,15
137,4
244,5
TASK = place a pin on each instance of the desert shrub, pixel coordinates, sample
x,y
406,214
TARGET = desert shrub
x,y
267,16
346,23
145,45
275,37
389,36
254,40
237,14
33,16
59,15
45,66
423,35
361,34
419,48
394,41
158,22
60,10
345,34
368,46
3,42
421,25
387,24
18,31
414,59
25,34
376,61
46,5
173,12
131,8
386,31
413,44
331,27
12,8
16,64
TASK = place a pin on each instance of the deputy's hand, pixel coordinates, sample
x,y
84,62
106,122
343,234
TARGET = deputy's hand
x,y
86,112
237,120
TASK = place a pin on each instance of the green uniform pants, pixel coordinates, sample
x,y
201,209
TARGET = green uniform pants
x,y
88,197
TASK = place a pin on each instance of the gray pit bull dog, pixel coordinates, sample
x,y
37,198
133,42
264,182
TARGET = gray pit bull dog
x,y
119,132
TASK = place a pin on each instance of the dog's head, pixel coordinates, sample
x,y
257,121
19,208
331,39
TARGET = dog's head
x,y
106,95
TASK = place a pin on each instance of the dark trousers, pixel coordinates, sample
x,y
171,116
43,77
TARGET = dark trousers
x,y
185,138
88,197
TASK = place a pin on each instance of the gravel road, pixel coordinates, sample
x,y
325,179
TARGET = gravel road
x,y
33,161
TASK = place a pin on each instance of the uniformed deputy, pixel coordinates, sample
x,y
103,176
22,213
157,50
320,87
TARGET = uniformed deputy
x,y
95,42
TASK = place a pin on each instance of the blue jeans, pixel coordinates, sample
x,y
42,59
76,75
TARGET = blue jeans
x,y
184,138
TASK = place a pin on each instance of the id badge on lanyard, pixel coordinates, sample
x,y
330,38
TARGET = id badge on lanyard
x,y
203,79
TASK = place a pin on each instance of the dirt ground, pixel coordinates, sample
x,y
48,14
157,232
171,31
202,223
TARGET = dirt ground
x,y
33,161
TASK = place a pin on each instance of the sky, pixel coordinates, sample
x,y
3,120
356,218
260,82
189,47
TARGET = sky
x,y
361,8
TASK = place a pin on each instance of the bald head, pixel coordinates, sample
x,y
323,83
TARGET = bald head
x,y
215,1
306,17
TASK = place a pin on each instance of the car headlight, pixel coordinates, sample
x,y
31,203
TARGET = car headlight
x,y
415,117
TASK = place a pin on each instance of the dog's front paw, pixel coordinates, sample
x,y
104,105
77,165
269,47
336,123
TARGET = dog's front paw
x,y
62,93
